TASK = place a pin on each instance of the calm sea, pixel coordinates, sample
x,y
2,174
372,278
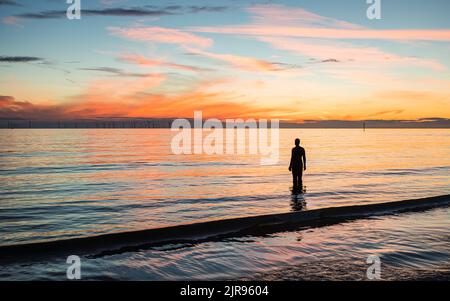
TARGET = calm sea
x,y
63,183
57,184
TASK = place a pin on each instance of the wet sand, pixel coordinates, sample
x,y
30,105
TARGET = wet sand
x,y
349,270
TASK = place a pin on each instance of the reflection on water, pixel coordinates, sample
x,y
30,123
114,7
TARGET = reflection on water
x,y
298,201
405,242
63,183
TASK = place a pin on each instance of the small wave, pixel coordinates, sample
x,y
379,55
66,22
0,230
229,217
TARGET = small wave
x,y
86,168
384,172
123,241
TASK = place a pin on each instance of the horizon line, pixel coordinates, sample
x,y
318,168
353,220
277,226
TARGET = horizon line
x,y
132,122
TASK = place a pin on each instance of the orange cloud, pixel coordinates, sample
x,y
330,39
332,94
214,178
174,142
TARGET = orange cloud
x,y
117,88
222,106
241,62
331,33
10,108
389,113
160,35
419,96
152,105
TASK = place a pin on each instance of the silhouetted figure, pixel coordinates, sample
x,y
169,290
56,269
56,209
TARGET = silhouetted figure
x,y
298,165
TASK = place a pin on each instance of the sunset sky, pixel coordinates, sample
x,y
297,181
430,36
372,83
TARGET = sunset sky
x,y
292,60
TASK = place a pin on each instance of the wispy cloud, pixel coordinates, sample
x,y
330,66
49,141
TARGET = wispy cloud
x,y
19,59
329,33
241,62
9,2
145,11
136,12
384,114
292,16
114,71
332,51
145,62
160,35
281,21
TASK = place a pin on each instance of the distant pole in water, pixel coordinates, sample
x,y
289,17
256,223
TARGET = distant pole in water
x,y
364,126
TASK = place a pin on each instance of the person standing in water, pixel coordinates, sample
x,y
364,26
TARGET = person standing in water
x,y
298,165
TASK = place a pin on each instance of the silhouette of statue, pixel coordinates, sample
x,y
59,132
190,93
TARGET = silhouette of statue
x,y
298,165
